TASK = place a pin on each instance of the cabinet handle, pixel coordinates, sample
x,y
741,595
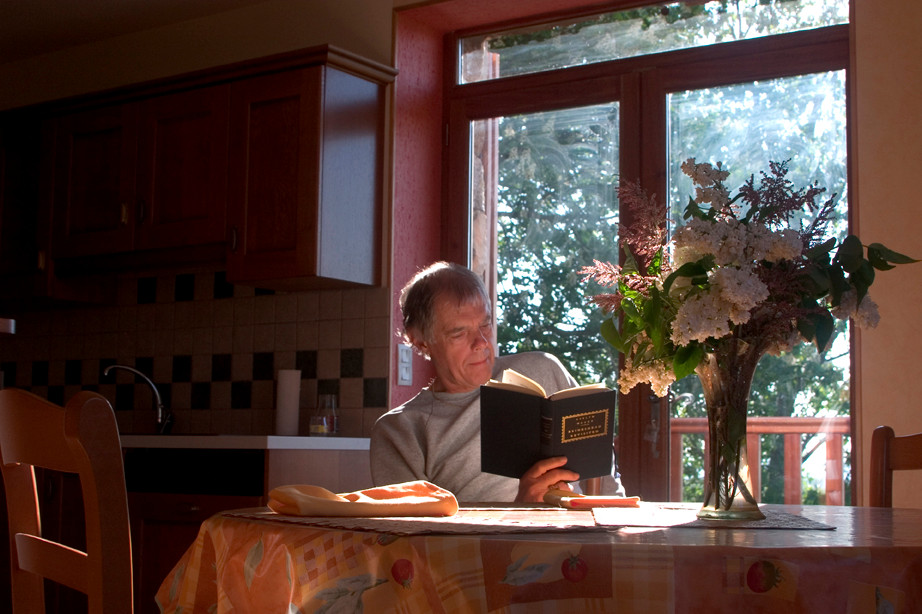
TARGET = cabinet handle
x,y
142,211
233,242
124,218
41,260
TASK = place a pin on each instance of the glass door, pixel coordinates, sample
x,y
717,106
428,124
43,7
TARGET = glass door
x,y
543,204
801,119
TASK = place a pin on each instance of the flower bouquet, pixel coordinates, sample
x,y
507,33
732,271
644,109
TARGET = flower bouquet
x,y
745,275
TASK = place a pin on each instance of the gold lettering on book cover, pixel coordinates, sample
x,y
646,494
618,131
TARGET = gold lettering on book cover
x,y
585,425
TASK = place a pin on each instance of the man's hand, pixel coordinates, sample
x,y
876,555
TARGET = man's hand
x,y
543,475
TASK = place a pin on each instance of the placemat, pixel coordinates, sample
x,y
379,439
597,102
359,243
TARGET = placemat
x,y
468,521
684,516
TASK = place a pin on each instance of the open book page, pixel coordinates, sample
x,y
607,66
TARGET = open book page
x,y
513,380
567,393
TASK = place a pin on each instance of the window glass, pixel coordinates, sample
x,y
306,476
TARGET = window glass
x,y
640,31
555,187
802,120
543,189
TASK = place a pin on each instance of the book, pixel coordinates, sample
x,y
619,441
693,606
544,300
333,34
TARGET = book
x,y
521,424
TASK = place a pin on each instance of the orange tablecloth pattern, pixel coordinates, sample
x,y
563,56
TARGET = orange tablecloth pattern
x,y
249,564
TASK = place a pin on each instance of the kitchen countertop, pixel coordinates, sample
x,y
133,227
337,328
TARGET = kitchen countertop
x,y
244,442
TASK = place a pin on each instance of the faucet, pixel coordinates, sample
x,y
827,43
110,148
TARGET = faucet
x,y
164,417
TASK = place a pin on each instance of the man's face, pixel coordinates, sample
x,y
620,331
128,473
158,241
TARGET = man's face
x,y
461,347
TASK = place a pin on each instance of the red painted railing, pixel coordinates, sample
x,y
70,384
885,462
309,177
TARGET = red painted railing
x,y
792,428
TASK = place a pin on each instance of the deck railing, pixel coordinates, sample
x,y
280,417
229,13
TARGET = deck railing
x,y
834,428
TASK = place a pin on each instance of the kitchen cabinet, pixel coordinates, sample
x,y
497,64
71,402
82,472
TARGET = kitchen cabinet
x,y
163,526
273,169
19,155
175,482
306,176
93,181
26,273
140,175
170,493
182,169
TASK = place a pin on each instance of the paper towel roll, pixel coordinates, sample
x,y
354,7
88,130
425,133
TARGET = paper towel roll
x,y
287,397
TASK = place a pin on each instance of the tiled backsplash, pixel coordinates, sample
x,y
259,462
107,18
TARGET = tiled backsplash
x,y
214,351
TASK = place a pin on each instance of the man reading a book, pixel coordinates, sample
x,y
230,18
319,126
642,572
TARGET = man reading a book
x,y
435,436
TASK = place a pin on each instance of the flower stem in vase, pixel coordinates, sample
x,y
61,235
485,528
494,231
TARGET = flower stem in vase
x,y
726,378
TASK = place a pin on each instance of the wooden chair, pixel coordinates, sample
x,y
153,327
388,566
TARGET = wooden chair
x,y
890,453
80,438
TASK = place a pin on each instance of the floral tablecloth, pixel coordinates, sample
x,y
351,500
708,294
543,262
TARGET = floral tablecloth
x,y
249,562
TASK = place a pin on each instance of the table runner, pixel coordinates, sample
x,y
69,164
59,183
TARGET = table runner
x,y
468,521
511,520
684,516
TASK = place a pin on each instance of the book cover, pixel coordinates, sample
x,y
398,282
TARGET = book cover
x,y
520,425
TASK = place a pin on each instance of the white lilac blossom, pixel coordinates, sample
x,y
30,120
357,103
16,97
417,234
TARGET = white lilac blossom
x,y
657,373
864,315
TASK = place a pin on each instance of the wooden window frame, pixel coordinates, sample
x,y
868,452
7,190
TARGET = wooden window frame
x,y
640,85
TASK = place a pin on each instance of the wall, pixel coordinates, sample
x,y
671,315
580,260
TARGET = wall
x,y
213,349
418,170
887,150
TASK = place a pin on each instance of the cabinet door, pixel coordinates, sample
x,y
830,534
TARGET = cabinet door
x,y
19,156
163,526
94,172
351,178
182,169
274,176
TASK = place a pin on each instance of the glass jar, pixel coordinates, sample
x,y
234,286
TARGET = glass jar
x,y
325,421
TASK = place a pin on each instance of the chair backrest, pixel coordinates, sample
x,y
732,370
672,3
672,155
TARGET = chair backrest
x,y
80,438
890,453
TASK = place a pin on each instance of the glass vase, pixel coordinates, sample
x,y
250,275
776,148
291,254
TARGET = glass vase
x,y
726,378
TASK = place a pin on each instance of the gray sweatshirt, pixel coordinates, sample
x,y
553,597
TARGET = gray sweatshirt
x,y
435,436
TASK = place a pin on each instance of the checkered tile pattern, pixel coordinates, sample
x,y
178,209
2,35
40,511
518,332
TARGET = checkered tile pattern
x,y
213,349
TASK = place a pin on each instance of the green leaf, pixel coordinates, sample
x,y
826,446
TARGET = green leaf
x,y
630,311
654,306
612,336
656,265
825,327
891,256
862,279
652,318
819,276
693,210
630,263
686,359
806,329
822,249
850,254
696,269
877,261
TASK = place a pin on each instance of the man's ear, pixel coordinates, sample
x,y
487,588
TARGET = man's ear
x,y
419,344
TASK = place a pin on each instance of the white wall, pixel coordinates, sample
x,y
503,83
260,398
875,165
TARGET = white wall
x,y
888,146
361,26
